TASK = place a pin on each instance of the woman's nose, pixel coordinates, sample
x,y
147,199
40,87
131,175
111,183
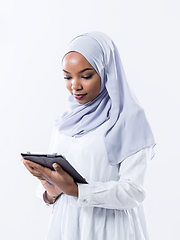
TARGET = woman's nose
x,y
76,85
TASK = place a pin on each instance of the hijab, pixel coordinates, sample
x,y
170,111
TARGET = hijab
x,y
128,130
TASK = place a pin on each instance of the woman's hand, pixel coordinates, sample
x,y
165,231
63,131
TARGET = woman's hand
x,y
61,180
52,192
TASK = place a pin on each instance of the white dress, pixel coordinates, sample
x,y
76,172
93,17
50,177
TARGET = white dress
x,y
110,206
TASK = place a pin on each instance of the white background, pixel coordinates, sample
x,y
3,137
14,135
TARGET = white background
x,y
33,35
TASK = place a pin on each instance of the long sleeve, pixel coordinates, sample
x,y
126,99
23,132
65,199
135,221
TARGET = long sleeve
x,y
126,193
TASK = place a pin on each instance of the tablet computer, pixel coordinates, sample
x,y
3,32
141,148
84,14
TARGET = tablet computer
x,y
47,160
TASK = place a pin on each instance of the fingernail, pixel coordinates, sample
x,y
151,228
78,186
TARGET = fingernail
x,y
55,165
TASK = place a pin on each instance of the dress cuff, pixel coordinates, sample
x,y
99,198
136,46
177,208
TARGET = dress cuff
x,y
45,198
84,196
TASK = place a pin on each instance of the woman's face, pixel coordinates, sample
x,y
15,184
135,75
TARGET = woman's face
x,y
82,81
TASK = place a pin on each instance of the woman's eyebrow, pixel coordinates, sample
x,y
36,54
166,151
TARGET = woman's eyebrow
x,y
66,71
85,69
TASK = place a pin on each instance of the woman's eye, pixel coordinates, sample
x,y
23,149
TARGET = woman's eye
x,y
67,78
88,77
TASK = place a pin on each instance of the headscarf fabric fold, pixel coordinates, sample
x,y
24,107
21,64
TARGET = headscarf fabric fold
x,y
128,130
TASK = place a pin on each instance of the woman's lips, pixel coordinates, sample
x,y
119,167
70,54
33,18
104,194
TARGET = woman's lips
x,y
79,96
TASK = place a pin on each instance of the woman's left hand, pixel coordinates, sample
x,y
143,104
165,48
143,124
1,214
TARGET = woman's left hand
x,y
59,177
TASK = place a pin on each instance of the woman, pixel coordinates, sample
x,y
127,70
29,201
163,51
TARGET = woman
x,y
106,137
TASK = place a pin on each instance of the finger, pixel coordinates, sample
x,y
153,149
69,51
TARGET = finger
x,y
33,171
33,165
41,178
29,168
58,168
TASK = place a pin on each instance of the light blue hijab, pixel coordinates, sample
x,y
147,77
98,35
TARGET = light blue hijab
x,y
128,129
